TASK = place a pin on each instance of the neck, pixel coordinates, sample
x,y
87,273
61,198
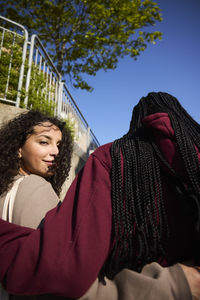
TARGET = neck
x,y
23,172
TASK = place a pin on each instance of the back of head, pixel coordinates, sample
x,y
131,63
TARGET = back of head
x,y
134,192
160,102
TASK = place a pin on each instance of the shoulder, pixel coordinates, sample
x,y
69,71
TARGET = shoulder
x,y
35,196
102,154
35,179
34,182
34,185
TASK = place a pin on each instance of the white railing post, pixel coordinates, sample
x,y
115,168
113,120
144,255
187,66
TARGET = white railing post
x,y
21,75
60,98
28,76
88,142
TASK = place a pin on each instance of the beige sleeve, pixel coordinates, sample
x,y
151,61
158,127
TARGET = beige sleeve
x,y
34,198
153,283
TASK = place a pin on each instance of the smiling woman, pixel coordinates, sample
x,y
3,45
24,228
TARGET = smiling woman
x,y
35,149
40,150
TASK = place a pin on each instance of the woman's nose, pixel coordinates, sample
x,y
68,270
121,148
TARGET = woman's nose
x,y
54,150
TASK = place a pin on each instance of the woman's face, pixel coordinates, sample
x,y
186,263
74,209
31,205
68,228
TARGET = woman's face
x,y
40,149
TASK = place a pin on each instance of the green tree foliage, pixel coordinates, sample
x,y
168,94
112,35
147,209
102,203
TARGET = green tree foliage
x,y
84,36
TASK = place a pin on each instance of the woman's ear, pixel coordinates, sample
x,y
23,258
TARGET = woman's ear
x,y
20,153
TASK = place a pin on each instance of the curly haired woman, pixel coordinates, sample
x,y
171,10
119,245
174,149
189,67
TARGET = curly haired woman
x,y
37,148
125,209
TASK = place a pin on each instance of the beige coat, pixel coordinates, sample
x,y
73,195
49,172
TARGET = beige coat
x,y
35,197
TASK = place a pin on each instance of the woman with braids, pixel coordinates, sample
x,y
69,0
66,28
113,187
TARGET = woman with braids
x,y
135,202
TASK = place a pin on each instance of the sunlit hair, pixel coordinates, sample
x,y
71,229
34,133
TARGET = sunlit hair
x,y
13,135
140,226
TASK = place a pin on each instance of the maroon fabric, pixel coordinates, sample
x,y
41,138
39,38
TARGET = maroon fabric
x,y
68,252
65,256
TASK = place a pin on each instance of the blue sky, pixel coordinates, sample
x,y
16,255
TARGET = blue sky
x,y
172,65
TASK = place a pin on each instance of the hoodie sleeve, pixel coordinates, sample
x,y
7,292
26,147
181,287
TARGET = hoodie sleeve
x,y
71,246
154,282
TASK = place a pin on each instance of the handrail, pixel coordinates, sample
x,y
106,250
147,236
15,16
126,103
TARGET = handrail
x,y
34,39
74,102
85,123
21,74
76,106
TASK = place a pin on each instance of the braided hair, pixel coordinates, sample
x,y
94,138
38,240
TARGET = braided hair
x,y
140,227
14,134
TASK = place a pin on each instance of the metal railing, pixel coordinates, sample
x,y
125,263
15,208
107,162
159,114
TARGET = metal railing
x,y
19,33
40,61
70,110
35,62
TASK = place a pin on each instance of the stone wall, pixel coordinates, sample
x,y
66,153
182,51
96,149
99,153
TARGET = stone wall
x,y
8,112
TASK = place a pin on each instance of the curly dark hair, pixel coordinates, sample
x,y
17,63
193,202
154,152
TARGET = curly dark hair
x,y
13,135
134,192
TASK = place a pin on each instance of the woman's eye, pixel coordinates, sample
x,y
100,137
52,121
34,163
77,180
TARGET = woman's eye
x,y
43,143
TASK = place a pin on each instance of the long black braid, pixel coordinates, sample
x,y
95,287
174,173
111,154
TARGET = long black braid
x,y
140,227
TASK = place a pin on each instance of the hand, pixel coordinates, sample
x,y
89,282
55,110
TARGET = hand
x,y
193,278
